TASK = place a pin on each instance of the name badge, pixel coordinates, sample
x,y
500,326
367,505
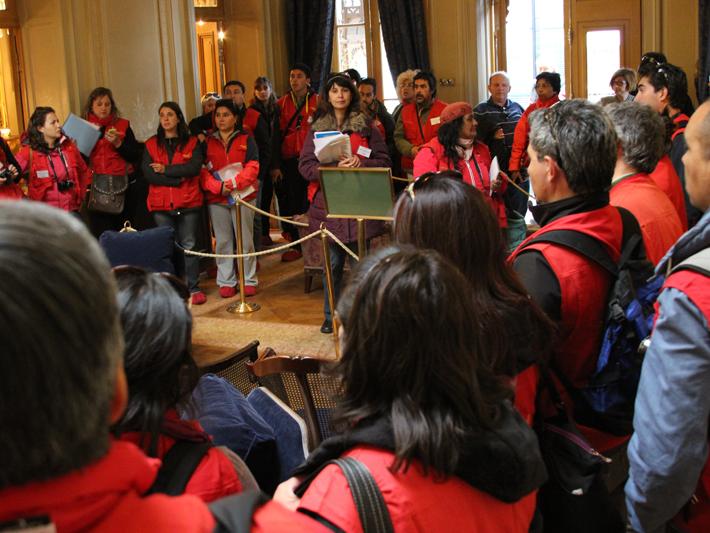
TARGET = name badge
x,y
43,173
435,120
364,151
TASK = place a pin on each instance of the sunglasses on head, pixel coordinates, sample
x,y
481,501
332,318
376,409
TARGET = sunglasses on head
x,y
422,180
128,271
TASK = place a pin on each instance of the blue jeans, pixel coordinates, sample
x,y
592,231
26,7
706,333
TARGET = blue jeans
x,y
185,224
337,264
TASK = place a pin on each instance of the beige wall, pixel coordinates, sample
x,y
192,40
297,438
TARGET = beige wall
x,y
142,49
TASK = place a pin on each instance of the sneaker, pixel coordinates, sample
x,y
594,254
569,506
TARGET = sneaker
x,y
249,290
327,327
291,255
227,292
287,236
198,298
266,240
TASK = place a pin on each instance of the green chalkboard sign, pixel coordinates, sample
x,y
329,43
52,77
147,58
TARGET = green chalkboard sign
x,y
365,193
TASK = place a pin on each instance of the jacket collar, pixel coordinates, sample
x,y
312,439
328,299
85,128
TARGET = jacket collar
x,y
355,122
691,242
548,212
504,462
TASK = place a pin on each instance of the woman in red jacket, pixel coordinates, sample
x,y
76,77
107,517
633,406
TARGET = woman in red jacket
x,y
171,164
421,408
9,174
339,110
455,148
229,145
547,87
56,172
161,374
114,152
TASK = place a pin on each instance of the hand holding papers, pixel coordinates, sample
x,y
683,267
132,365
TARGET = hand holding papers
x,y
83,132
331,146
493,176
228,175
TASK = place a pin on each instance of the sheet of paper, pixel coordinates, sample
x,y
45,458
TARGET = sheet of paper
x,y
83,132
332,148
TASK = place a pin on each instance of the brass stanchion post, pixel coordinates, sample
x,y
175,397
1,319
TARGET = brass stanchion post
x,y
243,306
329,287
361,246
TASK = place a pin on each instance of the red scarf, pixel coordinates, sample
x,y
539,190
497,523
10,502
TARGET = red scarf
x,y
103,122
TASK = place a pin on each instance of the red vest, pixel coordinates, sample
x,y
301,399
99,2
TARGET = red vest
x,y
104,158
412,132
293,137
695,517
356,141
42,183
251,118
188,193
583,288
218,157
680,121
665,176
416,502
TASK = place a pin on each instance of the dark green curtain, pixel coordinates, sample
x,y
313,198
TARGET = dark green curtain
x,y
404,33
310,36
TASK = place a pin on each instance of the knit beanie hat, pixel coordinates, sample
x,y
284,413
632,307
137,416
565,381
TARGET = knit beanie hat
x,y
455,110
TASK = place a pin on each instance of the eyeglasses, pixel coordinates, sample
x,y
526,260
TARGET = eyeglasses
x,y
424,178
130,271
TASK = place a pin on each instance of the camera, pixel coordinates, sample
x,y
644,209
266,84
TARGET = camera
x,y
64,185
6,174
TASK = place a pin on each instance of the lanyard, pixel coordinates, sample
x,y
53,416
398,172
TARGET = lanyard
x,y
295,104
51,164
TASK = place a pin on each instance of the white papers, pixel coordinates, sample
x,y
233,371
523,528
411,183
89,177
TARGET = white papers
x,y
83,132
331,146
495,169
230,173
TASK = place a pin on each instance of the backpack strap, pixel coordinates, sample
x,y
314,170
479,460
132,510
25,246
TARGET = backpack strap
x,y
234,514
179,464
370,504
698,262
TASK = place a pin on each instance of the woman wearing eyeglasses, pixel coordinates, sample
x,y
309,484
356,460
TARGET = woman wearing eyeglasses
x,y
339,110
456,148
161,374
421,408
623,83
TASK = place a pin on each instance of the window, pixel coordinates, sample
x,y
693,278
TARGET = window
x,y
355,47
535,43
603,60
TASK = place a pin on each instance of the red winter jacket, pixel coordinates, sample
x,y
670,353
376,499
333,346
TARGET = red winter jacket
x,y
413,130
583,286
416,502
215,476
654,212
240,148
251,117
9,191
107,496
431,158
665,176
293,136
522,131
188,193
62,163
104,158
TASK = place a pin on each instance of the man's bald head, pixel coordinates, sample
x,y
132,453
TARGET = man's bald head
x,y
697,157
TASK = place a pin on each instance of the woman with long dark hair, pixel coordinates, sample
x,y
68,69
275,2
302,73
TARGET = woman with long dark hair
x,y
226,146
264,102
161,374
339,110
456,148
56,172
114,154
421,408
171,164
447,215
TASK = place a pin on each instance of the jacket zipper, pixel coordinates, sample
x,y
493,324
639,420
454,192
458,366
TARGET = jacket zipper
x,y
578,441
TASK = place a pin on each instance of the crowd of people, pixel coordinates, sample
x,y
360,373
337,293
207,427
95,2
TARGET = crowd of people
x,y
472,349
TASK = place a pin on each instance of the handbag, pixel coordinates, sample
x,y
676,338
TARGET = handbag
x,y
108,193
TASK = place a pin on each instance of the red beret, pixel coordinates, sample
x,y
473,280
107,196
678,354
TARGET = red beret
x,y
455,110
